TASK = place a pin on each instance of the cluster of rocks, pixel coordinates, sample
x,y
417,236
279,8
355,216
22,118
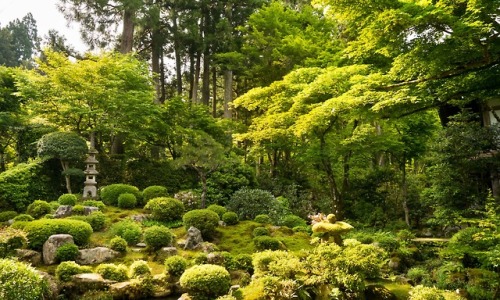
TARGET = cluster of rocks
x,y
64,211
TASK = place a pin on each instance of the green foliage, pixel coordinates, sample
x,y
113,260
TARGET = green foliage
x,y
292,221
165,209
39,231
67,199
118,244
112,272
263,219
23,218
96,295
230,218
243,262
20,281
260,231
482,284
97,220
450,276
220,210
203,219
109,194
157,236
38,208
248,203
426,293
127,229
78,209
67,269
190,199
266,243
10,240
139,268
206,281
154,191
175,265
418,275
7,215
66,146
67,252
127,200
54,205
95,203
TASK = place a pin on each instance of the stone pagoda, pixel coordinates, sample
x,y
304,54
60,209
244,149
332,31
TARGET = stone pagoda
x,y
90,189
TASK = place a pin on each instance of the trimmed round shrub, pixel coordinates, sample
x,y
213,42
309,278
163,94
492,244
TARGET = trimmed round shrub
x,y
266,243
38,208
220,210
260,231
97,220
95,203
67,269
109,194
112,272
292,221
20,281
243,262
67,252
230,218
175,265
165,209
203,219
23,218
118,244
154,191
248,203
206,281
425,293
127,229
263,219
78,209
48,216
127,200
139,268
39,231
7,215
157,236
54,205
67,199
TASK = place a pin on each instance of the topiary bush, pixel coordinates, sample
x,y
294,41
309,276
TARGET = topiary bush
x,y
95,203
20,281
220,210
266,243
243,262
139,268
157,236
7,215
97,220
260,231
248,203
206,281
230,218
263,219
128,230
67,252
204,219
38,209
39,231
67,199
154,191
118,244
112,272
127,200
78,210
292,221
109,194
67,269
165,209
175,265
54,205
23,218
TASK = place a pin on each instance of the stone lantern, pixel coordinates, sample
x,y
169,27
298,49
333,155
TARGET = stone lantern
x,y
90,189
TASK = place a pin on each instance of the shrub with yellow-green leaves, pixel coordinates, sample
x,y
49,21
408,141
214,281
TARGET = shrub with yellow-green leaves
x,y
205,282
20,281
11,239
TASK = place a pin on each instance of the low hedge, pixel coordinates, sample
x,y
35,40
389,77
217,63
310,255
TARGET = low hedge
x,y
109,194
39,231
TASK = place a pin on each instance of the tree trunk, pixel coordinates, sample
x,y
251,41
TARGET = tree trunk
x,y
2,161
177,53
127,41
155,62
214,92
203,178
404,191
65,167
228,93
196,78
205,89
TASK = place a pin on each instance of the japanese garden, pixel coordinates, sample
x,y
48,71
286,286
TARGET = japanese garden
x,y
252,150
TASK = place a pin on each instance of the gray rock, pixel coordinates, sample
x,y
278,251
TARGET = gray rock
x,y
87,210
215,258
184,297
140,218
53,287
193,239
10,222
90,281
394,263
222,223
29,256
52,244
208,247
168,251
96,255
63,211
120,289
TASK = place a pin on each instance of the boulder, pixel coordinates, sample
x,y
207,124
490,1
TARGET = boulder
x,y
141,245
96,255
87,210
82,283
164,253
120,289
193,239
52,244
29,256
215,258
207,247
63,211
140,218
